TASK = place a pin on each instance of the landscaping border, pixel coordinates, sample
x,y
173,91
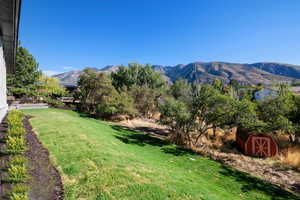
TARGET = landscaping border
x,y
46,182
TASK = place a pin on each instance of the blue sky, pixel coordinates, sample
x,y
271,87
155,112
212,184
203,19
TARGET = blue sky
x,y
72,34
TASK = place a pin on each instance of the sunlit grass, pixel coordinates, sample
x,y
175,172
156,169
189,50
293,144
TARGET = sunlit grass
x,y
100,161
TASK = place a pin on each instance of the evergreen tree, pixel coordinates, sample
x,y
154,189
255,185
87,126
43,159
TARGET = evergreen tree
x,y
27,73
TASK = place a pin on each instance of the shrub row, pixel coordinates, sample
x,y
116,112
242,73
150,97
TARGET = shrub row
x,y
15,145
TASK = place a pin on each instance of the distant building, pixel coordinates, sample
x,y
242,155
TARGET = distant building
x,y
9,26
264,93
296,89
269,92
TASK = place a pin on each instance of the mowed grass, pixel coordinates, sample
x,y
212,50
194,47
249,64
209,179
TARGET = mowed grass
x,y
98,160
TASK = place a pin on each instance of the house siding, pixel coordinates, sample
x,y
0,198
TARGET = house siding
x,y
3,99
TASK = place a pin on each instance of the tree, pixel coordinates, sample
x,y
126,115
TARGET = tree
x,y
26,74
125,104
235,84
137,75
246,93
295,118
209,109
245,116
176,115
181,90
88,84
98,97
50,87
115,104
277,112
280,113
218,84
143,84
145,100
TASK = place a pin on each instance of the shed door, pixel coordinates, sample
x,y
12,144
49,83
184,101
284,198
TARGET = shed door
x,y
261,146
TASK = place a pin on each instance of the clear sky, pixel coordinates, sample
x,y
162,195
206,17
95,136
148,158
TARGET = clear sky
x,y
72,34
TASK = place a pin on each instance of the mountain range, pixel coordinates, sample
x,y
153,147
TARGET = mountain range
x,y
203,72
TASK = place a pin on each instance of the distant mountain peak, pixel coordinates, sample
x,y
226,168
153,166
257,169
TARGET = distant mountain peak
x,y
203,72
110,68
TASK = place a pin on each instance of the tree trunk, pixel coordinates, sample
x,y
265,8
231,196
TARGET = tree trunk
x,y
292,138
214,132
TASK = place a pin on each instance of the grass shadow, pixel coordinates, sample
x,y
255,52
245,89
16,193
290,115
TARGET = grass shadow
x,y
156,131
250,183
129,136
178,151
84,115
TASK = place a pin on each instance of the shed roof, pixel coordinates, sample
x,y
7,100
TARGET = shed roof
x,y
244,134
9,27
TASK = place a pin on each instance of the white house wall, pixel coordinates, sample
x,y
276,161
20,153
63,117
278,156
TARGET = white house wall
x,y
3,100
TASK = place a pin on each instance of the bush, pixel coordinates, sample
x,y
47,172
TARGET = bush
x,y
116,104
18,160
19,192
19,196
22,92
50,87
15,145
20,188
16,131
17,173
53,102
176,116
145,100
125,104
15,118
15,112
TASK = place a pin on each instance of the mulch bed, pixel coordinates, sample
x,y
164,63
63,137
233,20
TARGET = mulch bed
x,y
45,180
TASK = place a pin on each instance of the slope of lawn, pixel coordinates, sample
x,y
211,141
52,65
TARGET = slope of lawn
x,y
98,160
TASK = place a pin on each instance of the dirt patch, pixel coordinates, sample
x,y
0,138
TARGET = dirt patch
x,y
45,182
269,170
147,126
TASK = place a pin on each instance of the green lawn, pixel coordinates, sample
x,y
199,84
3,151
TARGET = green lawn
x,y
101,161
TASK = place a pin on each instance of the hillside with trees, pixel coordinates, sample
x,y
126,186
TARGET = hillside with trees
x,y
193,116
190,110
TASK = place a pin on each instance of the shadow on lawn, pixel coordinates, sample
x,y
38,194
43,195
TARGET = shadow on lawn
x,y
177,151
129,136
250,183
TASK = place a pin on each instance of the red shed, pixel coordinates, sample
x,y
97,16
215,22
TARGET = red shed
x,y
257,144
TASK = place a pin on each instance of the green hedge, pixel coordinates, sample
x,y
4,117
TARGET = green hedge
x,y
15,146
